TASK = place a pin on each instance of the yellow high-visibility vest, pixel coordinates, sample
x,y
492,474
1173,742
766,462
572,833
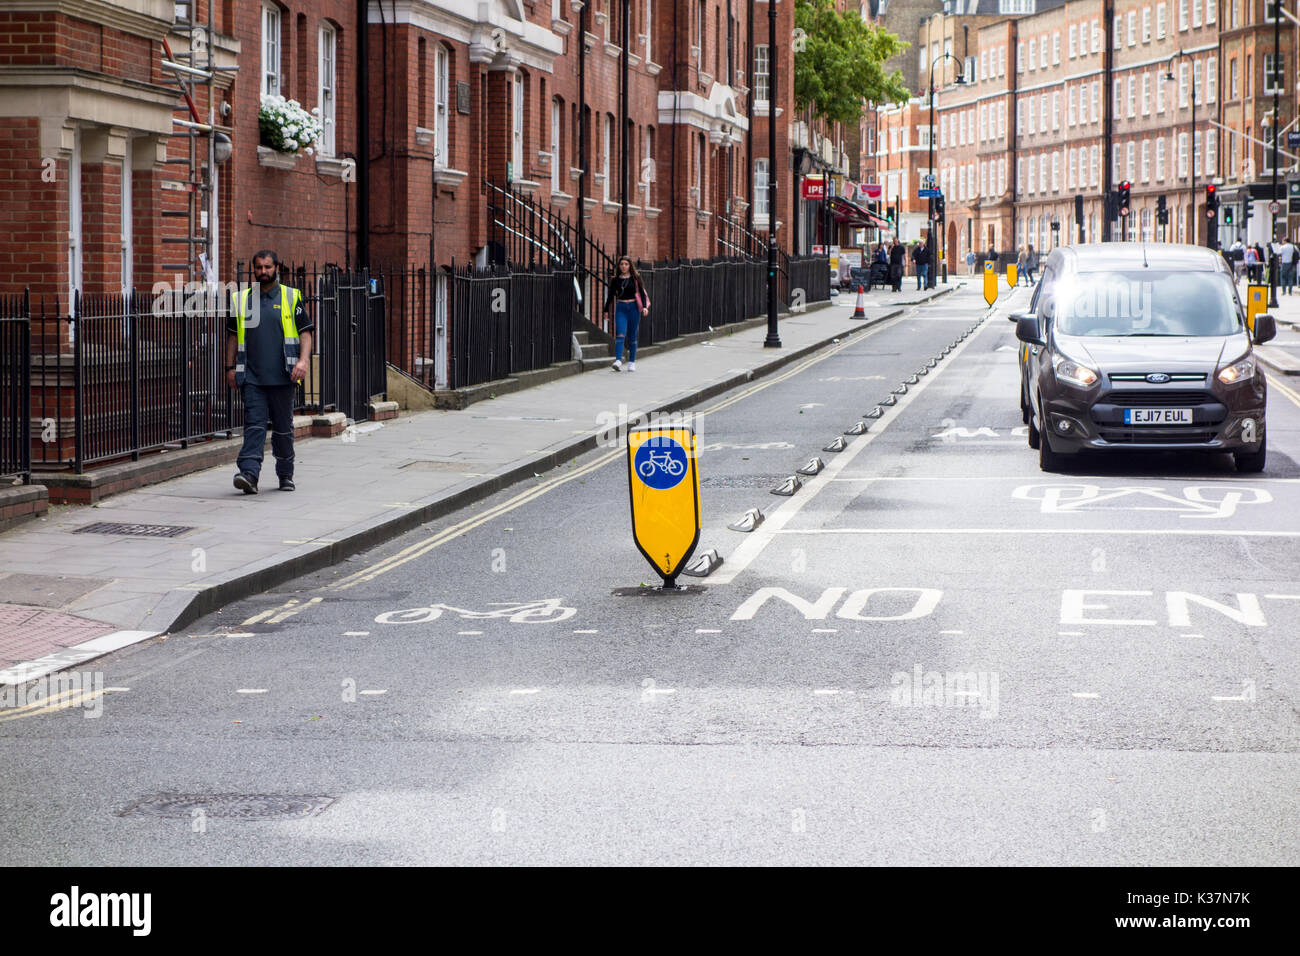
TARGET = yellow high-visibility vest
x,y
289,300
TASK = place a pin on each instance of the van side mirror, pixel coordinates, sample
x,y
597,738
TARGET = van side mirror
x,y
1027,330
1017,316
1265,328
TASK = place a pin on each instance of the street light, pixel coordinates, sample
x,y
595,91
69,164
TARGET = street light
x,y
773,340
1191,146
960,79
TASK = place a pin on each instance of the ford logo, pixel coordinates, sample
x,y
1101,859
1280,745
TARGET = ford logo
x,y
1157,378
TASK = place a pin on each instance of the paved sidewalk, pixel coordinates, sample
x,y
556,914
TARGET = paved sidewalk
x,y
371,484
1282,355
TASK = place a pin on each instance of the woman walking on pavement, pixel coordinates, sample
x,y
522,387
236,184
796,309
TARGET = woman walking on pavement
x,y
628,295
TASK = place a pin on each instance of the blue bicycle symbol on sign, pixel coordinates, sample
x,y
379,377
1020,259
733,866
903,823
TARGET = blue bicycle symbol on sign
x,y
660,463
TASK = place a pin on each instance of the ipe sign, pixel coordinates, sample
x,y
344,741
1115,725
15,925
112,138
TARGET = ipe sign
x,y
812,187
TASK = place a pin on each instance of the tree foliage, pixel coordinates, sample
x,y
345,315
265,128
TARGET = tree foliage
x,y
839,62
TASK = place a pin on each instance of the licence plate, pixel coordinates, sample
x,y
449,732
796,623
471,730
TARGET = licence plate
x,y
1157,416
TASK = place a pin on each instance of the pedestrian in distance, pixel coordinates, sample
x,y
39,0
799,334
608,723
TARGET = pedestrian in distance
x,y
1031,263
921,255
970,261
1286,254
268,351
1022,267
1251,260
631,303
897,265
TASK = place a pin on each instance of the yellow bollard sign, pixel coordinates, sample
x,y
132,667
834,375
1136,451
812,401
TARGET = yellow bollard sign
x,y
664,483
990,284
1012,272
1256,304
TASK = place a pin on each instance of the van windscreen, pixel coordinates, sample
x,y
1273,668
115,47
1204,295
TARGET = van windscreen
x,y
1146,302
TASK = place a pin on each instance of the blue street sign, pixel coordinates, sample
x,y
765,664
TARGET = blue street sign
x,y
1293,139
929,193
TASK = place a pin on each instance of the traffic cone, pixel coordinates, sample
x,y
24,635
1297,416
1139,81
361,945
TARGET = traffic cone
x,y
860,312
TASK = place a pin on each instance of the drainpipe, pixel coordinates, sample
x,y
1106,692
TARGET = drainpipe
x,y
363,134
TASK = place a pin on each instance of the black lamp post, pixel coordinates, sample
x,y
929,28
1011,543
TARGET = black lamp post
x,y
773,340
934,266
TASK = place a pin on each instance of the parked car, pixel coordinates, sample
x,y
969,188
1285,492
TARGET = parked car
x,y
1138,346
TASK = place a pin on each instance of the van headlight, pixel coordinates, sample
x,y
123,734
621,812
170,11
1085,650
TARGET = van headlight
x,y
1070,371
1237,372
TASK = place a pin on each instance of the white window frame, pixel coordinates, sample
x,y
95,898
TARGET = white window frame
x,y
762,76
1072,45
517,130
1161,23
1271,75
1146,24
271,51
1146,94
1160,159
557,119
760,191
1144,168
441,104
327,42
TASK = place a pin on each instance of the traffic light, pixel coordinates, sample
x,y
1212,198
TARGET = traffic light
x,y
1211,203
1124,188
889,214
1227,215
1162,211
938,206
1271,11
1247,210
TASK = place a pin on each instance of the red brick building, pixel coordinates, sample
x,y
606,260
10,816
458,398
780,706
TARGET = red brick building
x,y
452,94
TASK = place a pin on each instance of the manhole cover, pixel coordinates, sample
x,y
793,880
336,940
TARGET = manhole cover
x,y
743,481
234,806
140,530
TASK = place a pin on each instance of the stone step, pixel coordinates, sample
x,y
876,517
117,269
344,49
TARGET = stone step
x,y
594,350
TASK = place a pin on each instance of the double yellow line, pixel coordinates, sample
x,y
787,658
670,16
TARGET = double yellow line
x,y
72,697
1292,394
423,547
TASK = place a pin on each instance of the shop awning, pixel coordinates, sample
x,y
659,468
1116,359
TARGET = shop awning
x,y
850,213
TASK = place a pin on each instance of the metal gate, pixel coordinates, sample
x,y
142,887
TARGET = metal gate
x,y
350,341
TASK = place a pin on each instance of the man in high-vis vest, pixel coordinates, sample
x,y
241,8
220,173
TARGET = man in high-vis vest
x,y
268,350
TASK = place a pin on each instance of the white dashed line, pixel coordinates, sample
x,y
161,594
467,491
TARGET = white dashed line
x,y
826,690
116,690
356,633
1086,696
468,633
1193,635
237,634
251,690
526,690
374,693
707,630
1069,633
587,632
1240,698
952,632
826,630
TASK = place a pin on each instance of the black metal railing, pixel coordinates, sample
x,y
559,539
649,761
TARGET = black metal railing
x,y
15,387
352,313
809,274
696,295
119,375
504,321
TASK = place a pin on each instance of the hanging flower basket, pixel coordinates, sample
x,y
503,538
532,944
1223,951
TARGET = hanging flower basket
x,y
284,126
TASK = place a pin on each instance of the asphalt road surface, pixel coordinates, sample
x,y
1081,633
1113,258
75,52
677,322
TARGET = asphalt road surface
x,y
934,653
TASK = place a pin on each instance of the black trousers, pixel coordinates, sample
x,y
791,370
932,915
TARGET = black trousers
x,y
263,404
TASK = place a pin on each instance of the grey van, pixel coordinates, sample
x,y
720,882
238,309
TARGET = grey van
x,y
1141,346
